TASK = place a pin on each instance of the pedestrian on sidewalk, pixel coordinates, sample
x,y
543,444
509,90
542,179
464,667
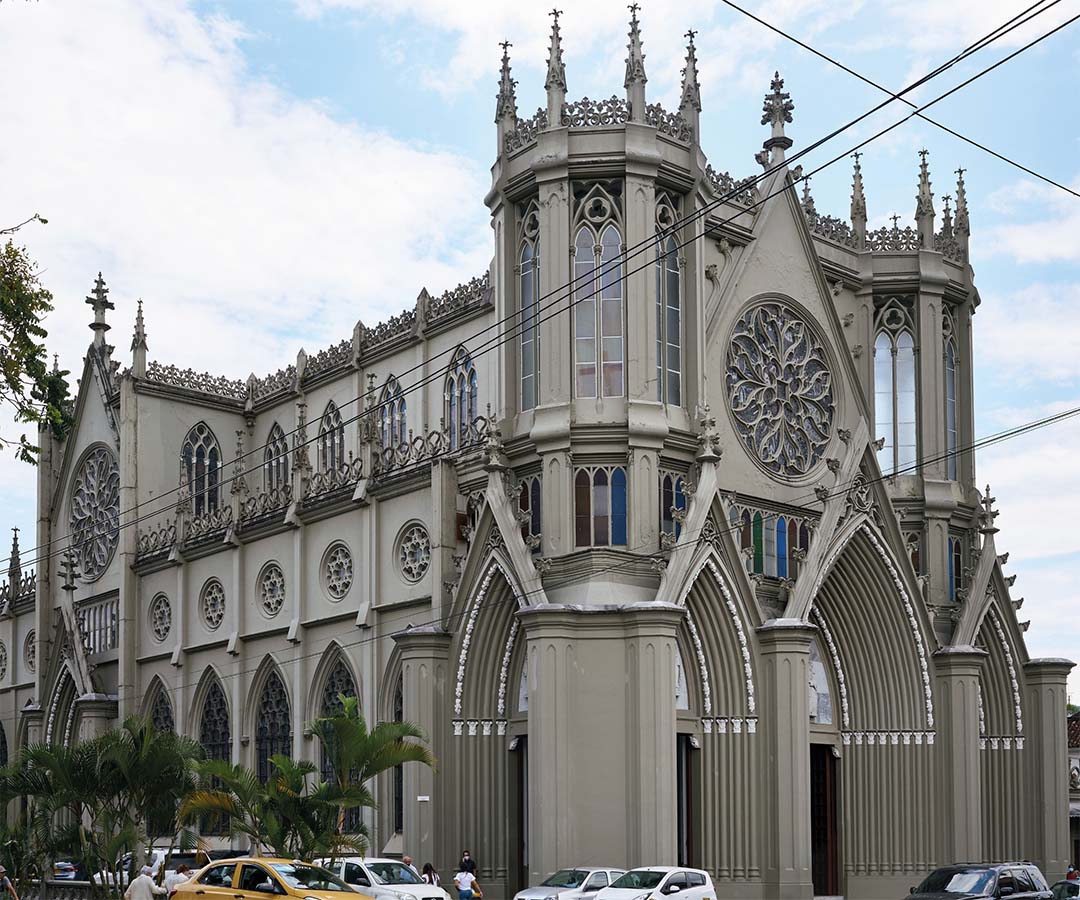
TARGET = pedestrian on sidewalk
x,y
467,886
143,887
430,876
467,864
6,887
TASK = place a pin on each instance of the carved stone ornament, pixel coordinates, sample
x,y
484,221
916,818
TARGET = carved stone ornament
x,y
30,652
160,617
780,389
414,553
337,571
3,661
271,589
95,512
212,604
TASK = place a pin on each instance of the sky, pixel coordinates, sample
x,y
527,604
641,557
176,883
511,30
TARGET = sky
x,y
264,173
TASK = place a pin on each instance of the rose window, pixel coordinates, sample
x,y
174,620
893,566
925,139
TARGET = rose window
x,y
160,617
414,553
30,652
95,512
212,604
338,571
780,389
271,589
3,661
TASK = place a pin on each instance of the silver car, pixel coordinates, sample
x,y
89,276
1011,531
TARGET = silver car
x,y
571,884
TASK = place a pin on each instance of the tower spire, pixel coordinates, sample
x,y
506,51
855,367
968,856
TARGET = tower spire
x,y
138,345
808,200
946,218
924,204
555,85
99,300
858,204
14,563
776,111
635,70
961,224
690,101
506,99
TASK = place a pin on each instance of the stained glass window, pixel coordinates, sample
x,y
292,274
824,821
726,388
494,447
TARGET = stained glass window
x,y
598,311
894,400
202,459
215,736
950,410
273,731
161,712
339,683
668,322
600,507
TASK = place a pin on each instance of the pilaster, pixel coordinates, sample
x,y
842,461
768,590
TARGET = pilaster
x,y
128,601
784,729
1046,766
959,786
95,714
444,534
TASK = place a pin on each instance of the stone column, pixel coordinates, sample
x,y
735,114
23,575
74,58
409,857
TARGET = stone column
x,y
95,714
784,728
1046,766
959,784
427,700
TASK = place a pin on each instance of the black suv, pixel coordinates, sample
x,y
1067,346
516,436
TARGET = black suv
x,y
963,882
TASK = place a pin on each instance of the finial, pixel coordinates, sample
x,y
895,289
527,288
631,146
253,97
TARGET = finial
x,y
808,200
988,513
506,99
961,225
858,203
99,300
946,218
776,111
895,222
14,563
690,102
138,345
634,82
239,481
556,71
69,571
924,204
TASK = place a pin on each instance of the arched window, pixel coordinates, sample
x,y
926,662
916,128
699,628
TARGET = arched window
x,y
759,544
668,322
600,507
950,410
161,712
339,683
529,266
598,312
276,460
202,462
3,747
672,497
820,692
392,427
781,548
331,439
460,397
399,771
529,504
273,726
956,569
894,400
215,736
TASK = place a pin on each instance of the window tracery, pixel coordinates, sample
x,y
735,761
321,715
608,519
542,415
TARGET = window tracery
x,y
392,427
414,553
398,715
276,460
529,298
95,512
215,736
600,505
212,604
529,499
668,304
271,589
894,386
273,725
161,712
337,570
339,683
202,459
773,544
460,398
30,652
819,690
160,617
331,439
3,660
672,499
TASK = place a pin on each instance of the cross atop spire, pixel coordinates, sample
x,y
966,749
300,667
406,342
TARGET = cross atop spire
x,y
555,84
776,111
691,90
506,99
635,69
99,300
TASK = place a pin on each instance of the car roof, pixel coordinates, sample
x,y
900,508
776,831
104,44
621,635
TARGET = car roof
x,y
267,860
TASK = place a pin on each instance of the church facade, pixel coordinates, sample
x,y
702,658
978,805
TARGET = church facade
x,y
665,529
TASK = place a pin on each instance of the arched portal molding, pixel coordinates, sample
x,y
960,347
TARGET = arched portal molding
x,y
1004,699
59,719
837,666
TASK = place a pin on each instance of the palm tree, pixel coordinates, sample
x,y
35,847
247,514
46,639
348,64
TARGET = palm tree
x,y
357,755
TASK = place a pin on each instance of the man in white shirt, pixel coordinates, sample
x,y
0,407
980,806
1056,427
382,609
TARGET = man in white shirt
x,y
143,887
182,874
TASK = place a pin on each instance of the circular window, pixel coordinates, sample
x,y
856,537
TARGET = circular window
x,y
95,512
212,604
271,589
30,652
780,389
414,552
3,660
160,617
337,571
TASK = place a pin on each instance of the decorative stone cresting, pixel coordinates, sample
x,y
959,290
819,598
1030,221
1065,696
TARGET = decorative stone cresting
x,y
470,293
742,191
670,123
526,130
202,382
586,113
780,389
841,681
1007,650
156,540
895,239
95,512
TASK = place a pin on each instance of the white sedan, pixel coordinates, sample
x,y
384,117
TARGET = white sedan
x,y
654,882
570,884
384,879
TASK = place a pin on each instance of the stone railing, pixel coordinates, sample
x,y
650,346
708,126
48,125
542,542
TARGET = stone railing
x,y
265,503
525,131
670,123
895,239
58,890
283,381
331,357
474,292
155,541
99,625
586,113
427,446
203,382
345,475
744,192
832,229
210,523
949,247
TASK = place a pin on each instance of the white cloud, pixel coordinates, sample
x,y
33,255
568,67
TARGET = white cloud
x,y
1030,335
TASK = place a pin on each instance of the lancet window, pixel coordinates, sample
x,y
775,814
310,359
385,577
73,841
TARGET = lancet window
x,y
276,460
529,505
273,729
161,712
951,430
956,569
202,463
215,736
398,714
339,683
773,544
529,295
894,388
600,506
460,397
668,307
392,427
331,439
672,499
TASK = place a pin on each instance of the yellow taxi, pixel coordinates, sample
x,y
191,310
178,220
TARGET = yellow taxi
x,y
262,878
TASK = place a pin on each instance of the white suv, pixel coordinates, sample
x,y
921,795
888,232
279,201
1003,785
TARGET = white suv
x,y
384,879
655,882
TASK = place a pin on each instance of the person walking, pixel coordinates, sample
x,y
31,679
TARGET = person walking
x,y
408,861
467,864
467,886
429,875
182,874
142,887
6,886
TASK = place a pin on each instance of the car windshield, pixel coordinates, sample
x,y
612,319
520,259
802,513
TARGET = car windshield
x,y
393,873
566,878
310,878
639,879
1066,889
957,881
